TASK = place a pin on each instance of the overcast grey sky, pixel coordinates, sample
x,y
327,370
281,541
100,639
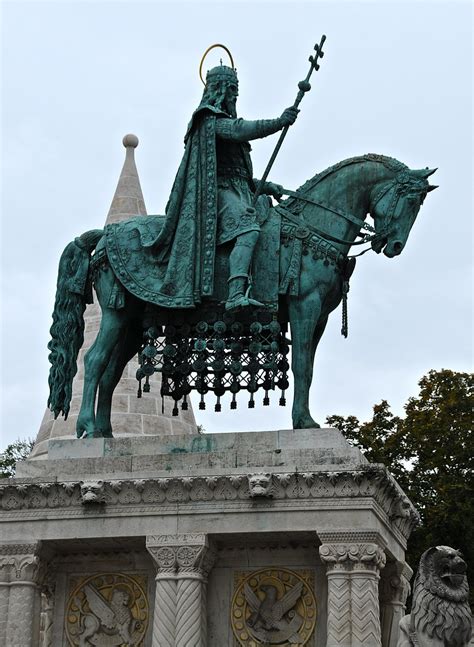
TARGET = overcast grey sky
x,y
396,79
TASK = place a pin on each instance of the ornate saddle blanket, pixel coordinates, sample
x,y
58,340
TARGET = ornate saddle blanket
x,y
139,272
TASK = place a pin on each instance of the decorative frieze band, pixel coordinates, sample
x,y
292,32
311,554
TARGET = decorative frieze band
x,y
368,482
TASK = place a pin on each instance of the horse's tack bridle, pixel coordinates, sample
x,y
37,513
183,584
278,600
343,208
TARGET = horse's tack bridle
x,y
304,229
366,238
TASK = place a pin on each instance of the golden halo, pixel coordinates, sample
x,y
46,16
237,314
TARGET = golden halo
x,y
207,52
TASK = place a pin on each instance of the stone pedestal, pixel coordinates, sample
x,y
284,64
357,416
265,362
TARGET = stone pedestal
x,y
283,537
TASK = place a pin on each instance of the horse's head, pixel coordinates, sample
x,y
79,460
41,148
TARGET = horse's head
x,y
394,206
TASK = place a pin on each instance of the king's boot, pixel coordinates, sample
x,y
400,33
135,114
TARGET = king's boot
x,y
239,263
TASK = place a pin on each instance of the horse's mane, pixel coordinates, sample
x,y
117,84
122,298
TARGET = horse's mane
x,y
389,162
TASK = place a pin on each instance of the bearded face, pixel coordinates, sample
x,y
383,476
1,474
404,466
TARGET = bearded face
x,y
230,100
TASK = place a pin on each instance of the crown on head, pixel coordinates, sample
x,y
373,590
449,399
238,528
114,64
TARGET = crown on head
x,y
221,73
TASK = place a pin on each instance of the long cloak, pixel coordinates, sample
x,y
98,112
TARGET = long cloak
x,y
179,250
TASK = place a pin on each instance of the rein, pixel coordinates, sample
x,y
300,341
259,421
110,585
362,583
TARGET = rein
x,y
366,238
304,230
356,221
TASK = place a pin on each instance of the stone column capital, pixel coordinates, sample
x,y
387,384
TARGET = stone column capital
x,y
188,555
352,549
395,584
20,562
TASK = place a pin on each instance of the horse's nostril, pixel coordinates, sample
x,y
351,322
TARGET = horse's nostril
x,y
397,247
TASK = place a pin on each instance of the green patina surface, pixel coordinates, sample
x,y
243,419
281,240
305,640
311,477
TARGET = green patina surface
x,y
219,229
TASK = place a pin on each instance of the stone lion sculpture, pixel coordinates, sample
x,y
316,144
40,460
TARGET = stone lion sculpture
x,y
440,615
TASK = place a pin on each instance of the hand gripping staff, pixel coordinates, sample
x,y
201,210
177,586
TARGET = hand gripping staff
x,y
304,86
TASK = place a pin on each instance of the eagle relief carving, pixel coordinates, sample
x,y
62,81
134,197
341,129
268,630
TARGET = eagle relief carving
x,y
107,610
273,607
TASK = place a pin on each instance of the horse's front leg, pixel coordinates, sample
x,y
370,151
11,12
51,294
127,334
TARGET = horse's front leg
x,y
304,313
121,355
112,328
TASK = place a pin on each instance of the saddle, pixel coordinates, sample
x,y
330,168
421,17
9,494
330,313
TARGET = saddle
x,y
138,271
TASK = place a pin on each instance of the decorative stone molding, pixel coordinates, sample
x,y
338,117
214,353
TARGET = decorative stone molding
x,y
260,485
92,492
370,482
19,562
361,550
181,553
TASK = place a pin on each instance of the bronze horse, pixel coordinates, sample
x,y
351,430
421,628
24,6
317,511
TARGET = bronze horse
x,y
327,213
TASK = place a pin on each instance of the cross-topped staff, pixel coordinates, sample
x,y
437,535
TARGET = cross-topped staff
x,y
304,86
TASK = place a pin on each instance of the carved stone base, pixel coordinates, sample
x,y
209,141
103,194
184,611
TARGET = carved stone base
x,y
206,540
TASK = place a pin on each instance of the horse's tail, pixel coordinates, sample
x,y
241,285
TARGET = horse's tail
x,y
73,292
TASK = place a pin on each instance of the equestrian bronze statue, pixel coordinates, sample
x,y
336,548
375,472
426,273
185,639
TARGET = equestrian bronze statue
x,y
205,293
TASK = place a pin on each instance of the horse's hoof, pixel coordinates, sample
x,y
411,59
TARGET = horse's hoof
x,y
305,423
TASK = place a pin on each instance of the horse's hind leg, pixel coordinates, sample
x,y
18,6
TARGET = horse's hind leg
x,y
121,355
112,328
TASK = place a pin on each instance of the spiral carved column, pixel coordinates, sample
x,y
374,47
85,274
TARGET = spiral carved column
x,y
189,630
183,562
353,560
19,595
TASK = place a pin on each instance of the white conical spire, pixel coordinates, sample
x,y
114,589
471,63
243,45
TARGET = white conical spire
x,y
128,198
130,416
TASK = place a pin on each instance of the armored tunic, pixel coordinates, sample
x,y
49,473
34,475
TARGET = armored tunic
x,y
235,185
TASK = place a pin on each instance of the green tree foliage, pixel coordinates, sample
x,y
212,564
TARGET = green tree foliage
x,y
430,451
17,451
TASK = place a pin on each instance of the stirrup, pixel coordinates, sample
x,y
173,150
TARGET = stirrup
x,y
242,301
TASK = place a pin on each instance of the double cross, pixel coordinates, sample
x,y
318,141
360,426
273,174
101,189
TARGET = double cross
x,y
304,86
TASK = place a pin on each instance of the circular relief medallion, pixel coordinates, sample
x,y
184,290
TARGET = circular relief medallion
x,y
273,607
107,609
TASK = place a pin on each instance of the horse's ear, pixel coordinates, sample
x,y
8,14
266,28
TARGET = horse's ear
x,y
432,187
424,172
